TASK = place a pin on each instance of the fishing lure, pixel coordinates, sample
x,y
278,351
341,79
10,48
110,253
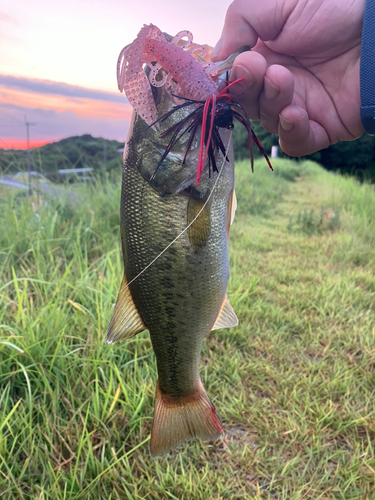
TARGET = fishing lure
x,y
218,111
191,83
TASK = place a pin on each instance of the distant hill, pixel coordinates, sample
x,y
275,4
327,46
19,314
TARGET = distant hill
x,y
72,152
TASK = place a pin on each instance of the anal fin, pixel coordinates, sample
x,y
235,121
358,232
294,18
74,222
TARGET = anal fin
x,y
227,317
126,321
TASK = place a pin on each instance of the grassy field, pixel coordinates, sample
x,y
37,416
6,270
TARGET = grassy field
x,y
293,383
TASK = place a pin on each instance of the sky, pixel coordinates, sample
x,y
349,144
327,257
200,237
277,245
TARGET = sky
x,y
58,61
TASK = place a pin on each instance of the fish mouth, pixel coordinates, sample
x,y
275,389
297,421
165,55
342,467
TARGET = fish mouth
x,y
173,176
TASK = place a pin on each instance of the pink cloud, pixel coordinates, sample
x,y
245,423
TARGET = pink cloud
x,y
6,18
59,110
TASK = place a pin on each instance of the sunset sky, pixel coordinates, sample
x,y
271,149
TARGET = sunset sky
x,y
58,61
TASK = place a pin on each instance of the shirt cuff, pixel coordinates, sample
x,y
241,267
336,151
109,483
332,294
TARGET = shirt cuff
x,y
367,69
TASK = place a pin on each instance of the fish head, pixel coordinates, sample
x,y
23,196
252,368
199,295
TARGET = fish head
x,y
167,157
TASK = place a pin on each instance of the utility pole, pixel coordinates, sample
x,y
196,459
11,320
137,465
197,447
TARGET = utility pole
x,y
28,124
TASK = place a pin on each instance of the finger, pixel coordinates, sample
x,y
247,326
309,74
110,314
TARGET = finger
x,y
237,32
245,22
300,136
251,66
277,93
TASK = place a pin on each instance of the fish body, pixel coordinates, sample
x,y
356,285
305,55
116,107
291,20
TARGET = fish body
x,y
181,296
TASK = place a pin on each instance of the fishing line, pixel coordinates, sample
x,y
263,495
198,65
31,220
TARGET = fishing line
x,y
186,228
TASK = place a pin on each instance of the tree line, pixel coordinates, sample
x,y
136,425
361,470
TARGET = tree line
x,y
355,158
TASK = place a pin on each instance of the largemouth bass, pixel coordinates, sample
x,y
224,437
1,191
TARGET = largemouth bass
x,y
181,296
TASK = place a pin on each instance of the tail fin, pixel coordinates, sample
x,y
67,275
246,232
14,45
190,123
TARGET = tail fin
x,y
178,419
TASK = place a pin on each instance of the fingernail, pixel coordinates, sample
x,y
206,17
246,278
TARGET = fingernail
x,y
270,90
263,118
286,125
217,49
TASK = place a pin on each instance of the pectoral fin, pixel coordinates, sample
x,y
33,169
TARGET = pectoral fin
x,y
227,317
126,321
232,206
198,231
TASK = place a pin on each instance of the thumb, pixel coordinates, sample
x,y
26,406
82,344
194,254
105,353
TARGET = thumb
x,y
248,20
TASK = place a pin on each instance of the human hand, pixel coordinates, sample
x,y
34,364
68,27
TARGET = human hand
x,y
302,74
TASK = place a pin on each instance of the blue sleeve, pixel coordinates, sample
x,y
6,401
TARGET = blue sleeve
x,y
367,69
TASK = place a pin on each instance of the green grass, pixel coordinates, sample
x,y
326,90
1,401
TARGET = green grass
x,y
293,383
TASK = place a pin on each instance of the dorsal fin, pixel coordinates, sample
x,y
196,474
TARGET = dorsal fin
x,y
126,321
227,317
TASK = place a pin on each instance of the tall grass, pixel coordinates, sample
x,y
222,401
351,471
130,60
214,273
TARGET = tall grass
x,y
293,383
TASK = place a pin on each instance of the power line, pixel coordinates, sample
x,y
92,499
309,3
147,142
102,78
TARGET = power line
x,y
4,110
